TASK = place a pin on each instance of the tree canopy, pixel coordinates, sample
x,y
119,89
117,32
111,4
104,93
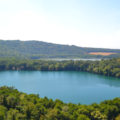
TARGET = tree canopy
x,y
110,67
15,105
39,49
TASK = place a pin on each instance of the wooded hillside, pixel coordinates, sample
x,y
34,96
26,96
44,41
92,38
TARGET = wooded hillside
x,y
38,49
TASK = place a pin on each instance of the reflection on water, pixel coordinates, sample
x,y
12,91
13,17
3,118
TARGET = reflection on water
x,y
76,87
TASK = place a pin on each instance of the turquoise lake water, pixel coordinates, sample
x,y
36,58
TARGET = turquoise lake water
x,y
74,87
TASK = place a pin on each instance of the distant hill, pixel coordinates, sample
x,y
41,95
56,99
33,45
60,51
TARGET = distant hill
x,y
39,49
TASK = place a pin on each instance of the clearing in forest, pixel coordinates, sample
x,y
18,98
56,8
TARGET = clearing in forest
x,y
102,53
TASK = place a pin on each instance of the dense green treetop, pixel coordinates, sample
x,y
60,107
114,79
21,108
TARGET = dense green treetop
x,y
110,67
15,105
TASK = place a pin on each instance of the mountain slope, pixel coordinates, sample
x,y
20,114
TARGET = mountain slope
x,y
38,49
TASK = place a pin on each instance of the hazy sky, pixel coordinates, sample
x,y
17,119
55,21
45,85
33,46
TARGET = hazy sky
x,y
88,23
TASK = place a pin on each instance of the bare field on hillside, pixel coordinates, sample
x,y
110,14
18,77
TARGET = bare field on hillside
x,y
102,53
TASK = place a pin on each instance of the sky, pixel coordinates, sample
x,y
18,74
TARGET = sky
x,y
85,23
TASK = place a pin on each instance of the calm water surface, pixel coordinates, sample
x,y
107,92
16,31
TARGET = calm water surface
x,y
75,87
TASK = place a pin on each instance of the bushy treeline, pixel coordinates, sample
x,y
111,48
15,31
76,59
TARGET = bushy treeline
x,y
15,105
109,67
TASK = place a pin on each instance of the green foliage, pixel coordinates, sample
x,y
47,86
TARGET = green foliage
x,y
3,111
82,117
38,49
118,117
31,107
110,67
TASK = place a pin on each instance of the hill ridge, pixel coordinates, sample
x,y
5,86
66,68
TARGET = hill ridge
x,y
34,49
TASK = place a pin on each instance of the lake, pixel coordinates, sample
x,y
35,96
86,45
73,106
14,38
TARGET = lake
x,y
75,87
73,59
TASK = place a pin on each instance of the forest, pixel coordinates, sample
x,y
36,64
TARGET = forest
x,y
38,50
15,105
110,67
